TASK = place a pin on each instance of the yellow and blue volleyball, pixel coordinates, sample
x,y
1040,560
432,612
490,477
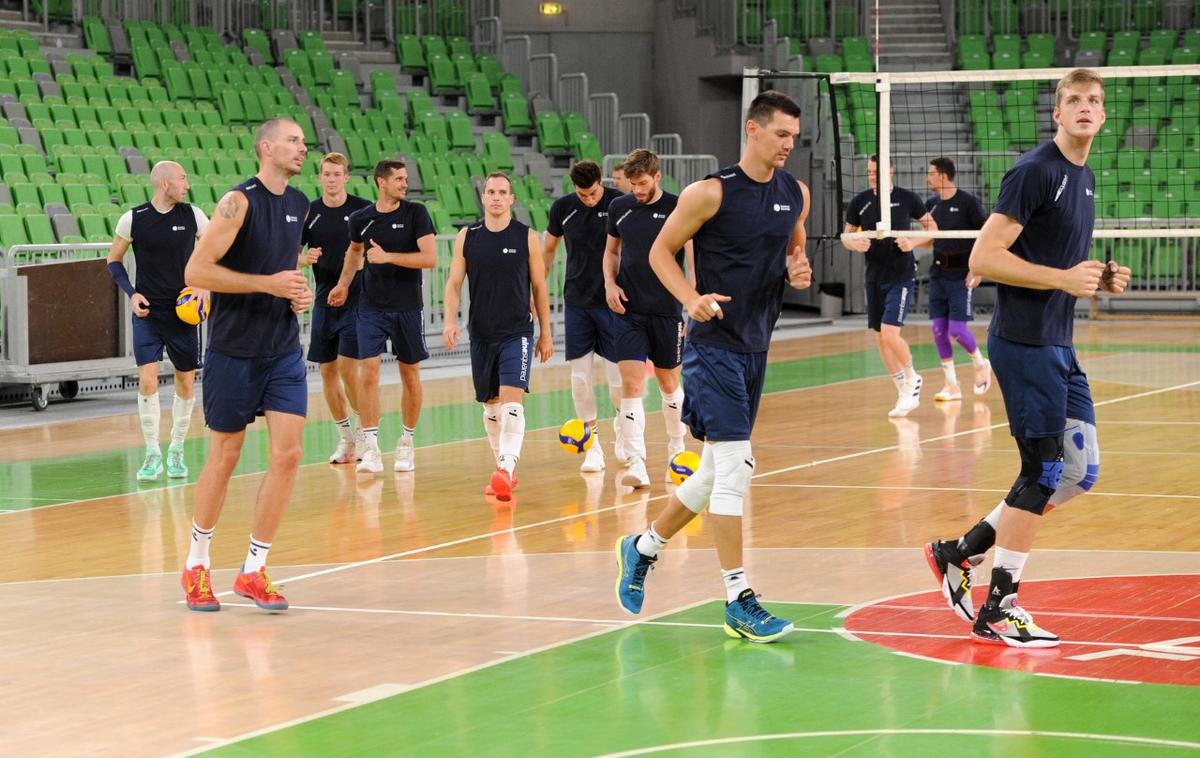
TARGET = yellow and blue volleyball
x,y
190,308
576,436
682,466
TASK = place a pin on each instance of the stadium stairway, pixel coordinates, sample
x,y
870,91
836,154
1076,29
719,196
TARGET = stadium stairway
x,y
912,36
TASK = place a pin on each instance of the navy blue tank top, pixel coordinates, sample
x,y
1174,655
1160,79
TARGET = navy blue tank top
x,y
162,244
259,325
742,252
498,277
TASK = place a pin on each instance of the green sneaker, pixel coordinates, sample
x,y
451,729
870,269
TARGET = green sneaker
x,y
176,468
151,467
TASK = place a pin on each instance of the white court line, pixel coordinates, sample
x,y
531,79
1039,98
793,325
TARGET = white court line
x,y
1086,678
1046,612
1118,738
964,489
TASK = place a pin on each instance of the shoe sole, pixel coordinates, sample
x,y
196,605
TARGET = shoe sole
x,y
621,573
177,475
361,470
1000,641
628,480
204,608
503,492
730,631
143,478
942,583
591,469
403,469
264,606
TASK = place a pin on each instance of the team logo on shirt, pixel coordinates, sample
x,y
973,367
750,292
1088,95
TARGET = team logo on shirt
x,y
727,176
779,207
508,250
1088,192
602,214
397,226
291,219
179,228
344,218
658,215
1061,187
953,209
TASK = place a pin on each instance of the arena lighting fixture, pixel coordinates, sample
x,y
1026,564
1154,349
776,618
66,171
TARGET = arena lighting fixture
x,y
551,9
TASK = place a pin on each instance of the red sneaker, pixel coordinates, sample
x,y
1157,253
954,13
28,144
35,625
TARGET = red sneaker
x,y
502,484
258,587
490,491
197,583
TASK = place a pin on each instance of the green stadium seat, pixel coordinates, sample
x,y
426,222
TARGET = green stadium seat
x,y
551,135
410,54
12,231
256,39
587,147
459,128
39,230
479,94
497,152
443,78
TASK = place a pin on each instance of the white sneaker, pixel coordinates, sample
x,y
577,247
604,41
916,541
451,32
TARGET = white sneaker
x,y
372,462
949,392
405,457
983,377
360,443
619,442
593,460
635,476
344,452
910,398
674,448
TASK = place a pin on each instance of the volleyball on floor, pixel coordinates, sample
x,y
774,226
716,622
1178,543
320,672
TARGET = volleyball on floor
x,y
682,466
576,436
189,307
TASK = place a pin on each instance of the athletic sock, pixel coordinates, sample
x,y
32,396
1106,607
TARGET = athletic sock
x,y
181,419
344,430
951,375
633,427
898,379
198,553
735,583
491,424
148,411
650,543
371,434
977,358
512,434
672,408
1011,561
256,556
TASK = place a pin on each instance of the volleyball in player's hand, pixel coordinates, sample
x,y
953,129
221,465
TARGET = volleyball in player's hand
x,y
576,436
190,307
682,466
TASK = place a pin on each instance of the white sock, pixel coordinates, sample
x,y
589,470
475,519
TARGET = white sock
x,y
612,372
512,434
407,432
198,553
256,556
650,543
735,583
181,419
977,358
951,375
672,409
491,423
344,430
898,379
633,427
1010,560
993,518
148,410
371,434
355,420
910,374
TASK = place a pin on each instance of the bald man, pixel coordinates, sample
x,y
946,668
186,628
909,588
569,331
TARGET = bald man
x,y
162,233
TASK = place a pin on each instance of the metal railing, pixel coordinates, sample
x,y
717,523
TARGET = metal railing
x,y
515,52
603,116
573,93
685,169
543,76
486,36
666,144
634,131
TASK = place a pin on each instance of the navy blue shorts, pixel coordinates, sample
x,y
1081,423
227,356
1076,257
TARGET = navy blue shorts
x,y
334,332
1042,385
950,297
496,364
723,389
163,329
406,330
637,336
888,302
588,330
238,389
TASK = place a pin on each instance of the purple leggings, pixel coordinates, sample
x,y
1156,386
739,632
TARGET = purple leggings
x,y
944,329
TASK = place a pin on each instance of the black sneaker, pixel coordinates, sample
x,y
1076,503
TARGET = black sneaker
x,y
953,573
1002,622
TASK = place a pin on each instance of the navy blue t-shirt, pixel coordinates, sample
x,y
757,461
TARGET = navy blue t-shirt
x,y
1055,201
886,263
162,244
637,226
259,325
962,212
742,252
583,229
498,280
386,286
328,228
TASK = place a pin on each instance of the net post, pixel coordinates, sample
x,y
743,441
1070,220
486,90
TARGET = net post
x,y
883,91
750,87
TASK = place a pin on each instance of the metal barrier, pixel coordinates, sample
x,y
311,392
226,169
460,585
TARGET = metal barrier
x,y
685,169
514,57
603,115
666,144
486,34
634,130
543,76
573,93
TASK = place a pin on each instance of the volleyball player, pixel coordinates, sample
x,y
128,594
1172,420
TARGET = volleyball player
x,y
581,218
891,278
620,181
647,319
398,239
1035,246
747,224
950,283
502,260
163,234
333,342
254,365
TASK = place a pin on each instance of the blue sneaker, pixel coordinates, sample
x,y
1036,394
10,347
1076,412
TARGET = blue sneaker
x,y
632,568
745,618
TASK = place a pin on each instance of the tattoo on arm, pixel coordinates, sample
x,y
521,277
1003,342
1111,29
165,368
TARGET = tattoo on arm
x,y
229,206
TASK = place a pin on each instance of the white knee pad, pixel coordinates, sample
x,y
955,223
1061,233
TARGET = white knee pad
x,y
581,387
696,491
735,467
1081,461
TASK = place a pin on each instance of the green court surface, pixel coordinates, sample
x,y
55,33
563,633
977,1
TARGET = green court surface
x,y
680,680
64,479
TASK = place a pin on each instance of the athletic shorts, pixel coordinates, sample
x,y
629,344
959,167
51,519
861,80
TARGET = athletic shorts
x,y
334,332
500,364
950,297
406,330
588,330
238,389
637,336
163,329
722,391
1042,386
888,302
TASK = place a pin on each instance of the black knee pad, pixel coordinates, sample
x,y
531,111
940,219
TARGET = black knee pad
x,y
1041,470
